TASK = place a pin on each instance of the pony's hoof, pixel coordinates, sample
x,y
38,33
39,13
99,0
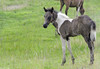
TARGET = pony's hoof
x,y
73,59
72,62
64,61
62,64
91,63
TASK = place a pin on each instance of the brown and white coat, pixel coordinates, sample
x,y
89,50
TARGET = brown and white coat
x,y
82,25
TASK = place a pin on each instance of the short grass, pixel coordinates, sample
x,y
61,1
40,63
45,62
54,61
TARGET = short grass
x,y
25,44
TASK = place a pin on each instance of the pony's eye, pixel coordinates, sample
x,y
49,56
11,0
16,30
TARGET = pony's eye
x,y
49,18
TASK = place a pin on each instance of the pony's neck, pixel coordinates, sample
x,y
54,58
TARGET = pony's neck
x,y
54,19
61,18
55,25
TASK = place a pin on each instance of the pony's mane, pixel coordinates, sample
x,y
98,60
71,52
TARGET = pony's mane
x,y
63,15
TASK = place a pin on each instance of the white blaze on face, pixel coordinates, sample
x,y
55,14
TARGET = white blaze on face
x,y
61,18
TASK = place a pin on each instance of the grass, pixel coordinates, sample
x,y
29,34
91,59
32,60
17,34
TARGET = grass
x,y
25,44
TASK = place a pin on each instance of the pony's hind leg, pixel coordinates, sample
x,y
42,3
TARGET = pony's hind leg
x,y
93,45
69,48
82,10
77,9
91,52
90,45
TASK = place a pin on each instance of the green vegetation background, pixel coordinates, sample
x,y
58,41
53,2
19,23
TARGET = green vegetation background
x,y
25,44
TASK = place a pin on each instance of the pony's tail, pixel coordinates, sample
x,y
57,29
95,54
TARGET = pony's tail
x,y
93,32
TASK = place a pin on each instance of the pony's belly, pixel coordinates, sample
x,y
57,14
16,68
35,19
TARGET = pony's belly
x,y
74,34
73,5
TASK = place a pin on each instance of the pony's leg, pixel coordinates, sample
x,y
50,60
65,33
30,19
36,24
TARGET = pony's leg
x,y
93,45
67,6
82,10
91,52
77,9
61,4
90,45
69,48
63,50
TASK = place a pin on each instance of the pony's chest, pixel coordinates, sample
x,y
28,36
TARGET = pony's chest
x,y
65,26
60,23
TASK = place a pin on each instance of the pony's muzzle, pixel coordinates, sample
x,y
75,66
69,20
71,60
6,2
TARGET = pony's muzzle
x,y
45,25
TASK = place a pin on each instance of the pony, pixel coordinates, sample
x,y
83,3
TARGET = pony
x,y
67,27
73,3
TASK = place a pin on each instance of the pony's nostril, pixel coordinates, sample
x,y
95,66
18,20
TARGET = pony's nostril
x,y
44,25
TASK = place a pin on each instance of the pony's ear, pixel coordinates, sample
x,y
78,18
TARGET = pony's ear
x,y
45,9
52,9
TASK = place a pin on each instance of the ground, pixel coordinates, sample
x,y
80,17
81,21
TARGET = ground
x,y
25,44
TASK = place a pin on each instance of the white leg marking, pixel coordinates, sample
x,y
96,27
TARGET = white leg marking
x,y
78,11
63,47
69,47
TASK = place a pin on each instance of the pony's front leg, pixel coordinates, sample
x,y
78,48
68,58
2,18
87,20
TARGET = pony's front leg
x,y
69,48
61,4
63,50
67,7
66,10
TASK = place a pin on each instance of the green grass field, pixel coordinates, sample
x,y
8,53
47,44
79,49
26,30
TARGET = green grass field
x,y
25,44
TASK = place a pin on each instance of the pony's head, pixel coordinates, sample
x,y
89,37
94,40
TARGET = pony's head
x,y
48,16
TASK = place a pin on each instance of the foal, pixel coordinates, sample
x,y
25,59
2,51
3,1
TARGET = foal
x,y
82,25
72,3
